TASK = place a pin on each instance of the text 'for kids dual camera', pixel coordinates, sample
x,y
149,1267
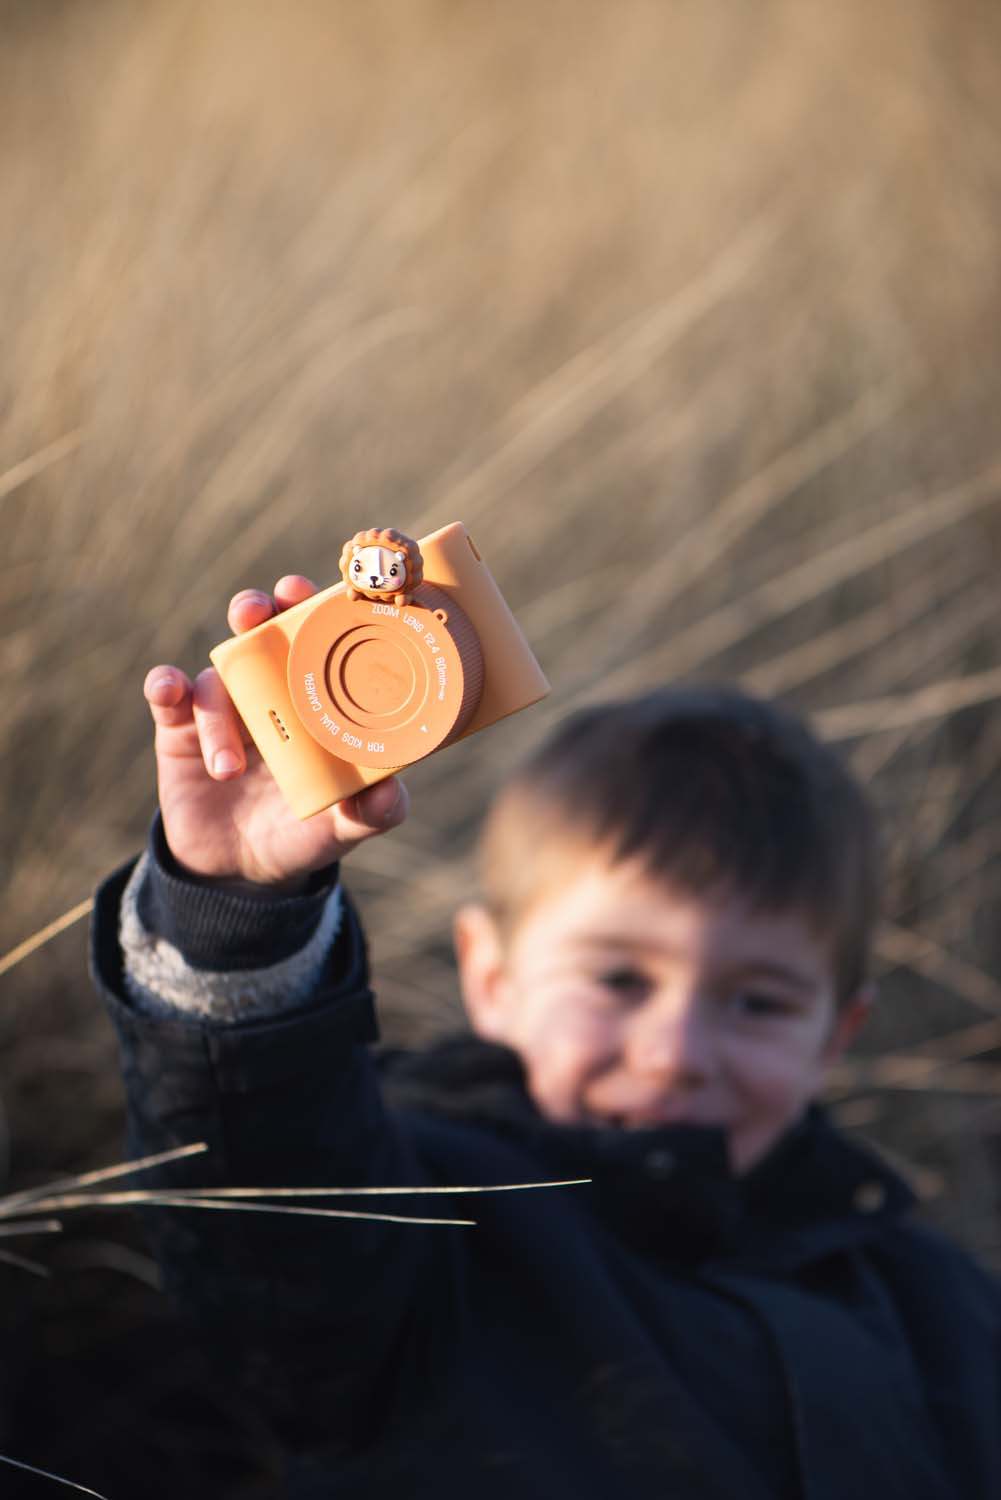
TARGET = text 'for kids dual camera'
x,y
414,649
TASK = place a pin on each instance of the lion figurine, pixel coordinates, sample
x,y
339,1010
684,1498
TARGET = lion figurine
x,y
382,564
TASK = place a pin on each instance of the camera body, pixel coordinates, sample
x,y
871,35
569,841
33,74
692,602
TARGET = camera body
x,y
342,690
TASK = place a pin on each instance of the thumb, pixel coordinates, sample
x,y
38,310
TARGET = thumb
x,y
374,810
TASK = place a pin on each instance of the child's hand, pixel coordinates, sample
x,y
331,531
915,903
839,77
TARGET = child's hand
x,y
222,811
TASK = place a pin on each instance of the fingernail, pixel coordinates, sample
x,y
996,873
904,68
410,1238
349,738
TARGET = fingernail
x,y
225,762
163,681
390,814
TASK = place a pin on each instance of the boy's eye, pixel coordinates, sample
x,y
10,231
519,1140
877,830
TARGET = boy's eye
x,y
624,981
756,1006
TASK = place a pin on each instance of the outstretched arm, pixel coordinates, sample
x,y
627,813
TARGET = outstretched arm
x,y
236,974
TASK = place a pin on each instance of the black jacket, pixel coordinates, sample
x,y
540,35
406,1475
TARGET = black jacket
x,y
668,1331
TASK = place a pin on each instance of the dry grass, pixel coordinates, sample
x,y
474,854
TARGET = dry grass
x,y
691,312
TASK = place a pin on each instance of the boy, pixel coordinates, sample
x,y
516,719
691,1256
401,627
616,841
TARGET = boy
x,y
673,946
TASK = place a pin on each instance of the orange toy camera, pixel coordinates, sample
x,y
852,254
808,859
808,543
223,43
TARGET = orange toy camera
x,y
414,650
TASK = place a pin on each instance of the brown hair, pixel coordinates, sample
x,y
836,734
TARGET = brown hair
x,y
709,789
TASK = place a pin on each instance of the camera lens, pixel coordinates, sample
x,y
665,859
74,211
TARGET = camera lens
x,y
384,684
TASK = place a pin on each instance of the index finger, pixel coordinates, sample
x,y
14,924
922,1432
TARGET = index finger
x,y
248,609
167,690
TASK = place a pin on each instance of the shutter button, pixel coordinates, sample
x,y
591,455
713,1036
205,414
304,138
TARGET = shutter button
x,y
659,1163
869,1197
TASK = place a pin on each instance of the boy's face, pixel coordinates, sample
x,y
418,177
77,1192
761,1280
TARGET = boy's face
x,y
633,1006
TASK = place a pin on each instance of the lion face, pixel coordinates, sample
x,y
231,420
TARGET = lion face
x,y
382,563
377,569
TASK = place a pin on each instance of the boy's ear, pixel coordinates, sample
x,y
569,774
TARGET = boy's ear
x,y
848,1022
480,958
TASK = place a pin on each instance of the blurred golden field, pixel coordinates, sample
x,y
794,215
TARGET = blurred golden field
x,y
691,312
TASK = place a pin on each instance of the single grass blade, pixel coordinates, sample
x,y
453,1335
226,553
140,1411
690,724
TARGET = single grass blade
x,y
964,861
909,948
963,1045
351,1192
46,1474
170,1200
30,1226
903,1071
13,478
24,1264
107,1255
16,1201
44,935
935,701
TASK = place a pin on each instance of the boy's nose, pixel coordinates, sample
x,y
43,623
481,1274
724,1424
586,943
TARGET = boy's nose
x,y
672,1045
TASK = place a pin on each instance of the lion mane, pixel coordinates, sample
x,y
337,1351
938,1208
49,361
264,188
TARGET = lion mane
x,y
393,541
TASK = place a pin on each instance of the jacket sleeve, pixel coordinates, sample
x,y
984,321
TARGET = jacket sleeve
x,y
310,1310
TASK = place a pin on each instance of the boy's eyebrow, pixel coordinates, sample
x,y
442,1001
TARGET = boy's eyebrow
x,y
616,940
755,968
770,969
